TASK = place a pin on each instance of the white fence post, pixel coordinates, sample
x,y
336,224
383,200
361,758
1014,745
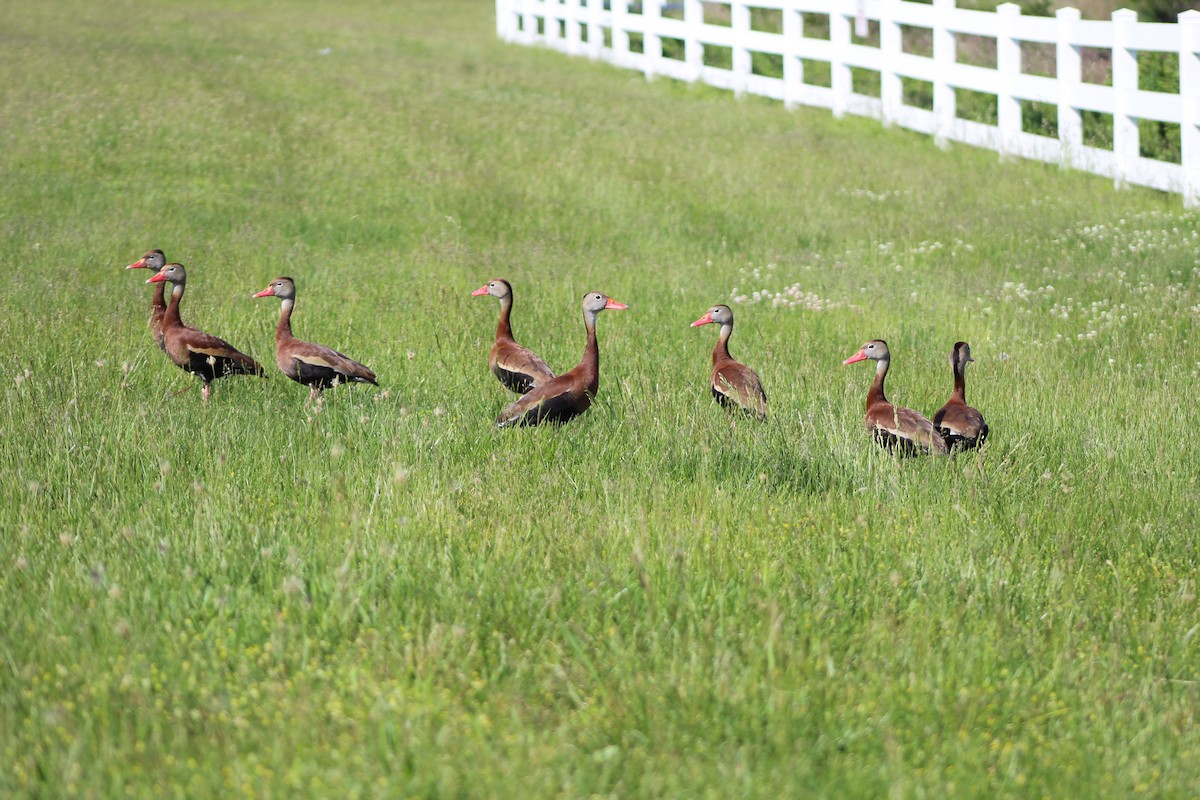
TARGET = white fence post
x,y
505,24
550,22
1189,91
793,67
693,50
740,20
944,107
1125,82
574,25
1008,64
528,21
891,89
1070,76
595,42
651,38
840,77
620,34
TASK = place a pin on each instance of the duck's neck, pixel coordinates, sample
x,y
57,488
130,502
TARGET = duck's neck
x,y
876,395
721,350
159,302
590,365
504,327
960,383
171,317
283,331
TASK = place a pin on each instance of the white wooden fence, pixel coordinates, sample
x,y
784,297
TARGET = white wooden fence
x,y
601,29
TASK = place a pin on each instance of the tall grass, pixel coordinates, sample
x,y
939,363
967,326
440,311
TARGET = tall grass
x,y
384,595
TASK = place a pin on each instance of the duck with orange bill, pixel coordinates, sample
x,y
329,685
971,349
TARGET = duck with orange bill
x,y
733,384
154,260
903,429
565,397
313,365
959,424
515,366
206,356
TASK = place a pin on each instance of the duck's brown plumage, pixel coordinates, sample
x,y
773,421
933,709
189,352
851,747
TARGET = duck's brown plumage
x,y
517,367
316,366
202,354
565,397
154,260
733,384
959,424
894,426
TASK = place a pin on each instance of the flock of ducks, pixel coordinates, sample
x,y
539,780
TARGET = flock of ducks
x,y
955,425
544,396
209,357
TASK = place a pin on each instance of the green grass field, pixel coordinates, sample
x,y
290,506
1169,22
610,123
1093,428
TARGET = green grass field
x,y
385,596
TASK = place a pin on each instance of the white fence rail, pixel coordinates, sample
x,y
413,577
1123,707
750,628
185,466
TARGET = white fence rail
x,y
602,29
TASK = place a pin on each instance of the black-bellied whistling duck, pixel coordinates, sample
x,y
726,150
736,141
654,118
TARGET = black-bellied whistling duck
x,y
563,398
894,426
517,367
958,423
154,260
314,365
734,385
202,354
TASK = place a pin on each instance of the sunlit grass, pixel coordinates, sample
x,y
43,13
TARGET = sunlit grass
x,y
383,595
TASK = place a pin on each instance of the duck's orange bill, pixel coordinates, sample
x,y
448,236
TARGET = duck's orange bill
x,y
615,306
859,356
707,318
157,277
480,291
267,292
139,264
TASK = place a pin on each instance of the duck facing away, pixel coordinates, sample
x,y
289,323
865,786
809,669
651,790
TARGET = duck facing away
x,y
563,398
517,367
314,365
202,354
892,426
733,384
154,260
959,424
